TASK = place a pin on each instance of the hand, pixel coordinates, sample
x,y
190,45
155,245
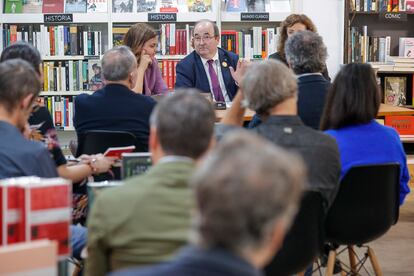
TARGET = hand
x,y
101,164
144,61
238,75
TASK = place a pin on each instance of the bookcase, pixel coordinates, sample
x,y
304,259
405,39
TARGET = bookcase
x,y
381,32
72,43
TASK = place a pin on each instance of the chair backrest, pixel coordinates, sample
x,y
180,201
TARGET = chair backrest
x,y
98,141
366,206
304,241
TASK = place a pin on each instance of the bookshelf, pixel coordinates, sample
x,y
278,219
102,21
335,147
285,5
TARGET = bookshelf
x,y
111,24
373,34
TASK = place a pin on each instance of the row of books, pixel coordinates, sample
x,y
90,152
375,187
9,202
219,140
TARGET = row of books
x,y
363,48
58,40
101,6
256,43
72,75
33,208
171,40
61,108
55,6
382,5
168,72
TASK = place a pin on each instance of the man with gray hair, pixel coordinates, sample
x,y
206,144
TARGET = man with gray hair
x,y
247,192
115,106
270,89
306,55
147,219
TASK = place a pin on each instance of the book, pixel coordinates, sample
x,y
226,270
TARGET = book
x,y
53,6
95,6
409,5
117,151
256,6
395,90
13,6
94,188
404,125
135,163
406,47
94,74
168,6
236,5
75,6
199,5
146,5
32,6
119,6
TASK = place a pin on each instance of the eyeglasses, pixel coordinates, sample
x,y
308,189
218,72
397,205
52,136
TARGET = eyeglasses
x,y
205,38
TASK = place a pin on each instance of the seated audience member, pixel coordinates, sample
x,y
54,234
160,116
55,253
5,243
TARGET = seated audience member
x,y
142,40
306,55
19,88
115,106
270,89
46,132
292,24
147,219
247,193
207,68
349,116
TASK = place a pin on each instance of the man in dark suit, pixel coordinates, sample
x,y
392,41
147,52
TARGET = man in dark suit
x,y
208,68
306,54
116,106
246,192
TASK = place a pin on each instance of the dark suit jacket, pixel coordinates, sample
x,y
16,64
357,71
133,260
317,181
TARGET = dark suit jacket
x,y
114,107
197,262
190,72
278,57
312,90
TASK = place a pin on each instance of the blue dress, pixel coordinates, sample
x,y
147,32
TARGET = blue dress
x,y
371,143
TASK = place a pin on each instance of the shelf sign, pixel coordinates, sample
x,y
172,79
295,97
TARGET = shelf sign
x,y
59,18
393,16
254,16
162,17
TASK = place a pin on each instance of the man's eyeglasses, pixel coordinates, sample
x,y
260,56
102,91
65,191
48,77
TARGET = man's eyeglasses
x,y
205,38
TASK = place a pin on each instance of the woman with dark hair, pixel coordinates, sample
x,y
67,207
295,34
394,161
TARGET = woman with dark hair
x,y
142,40
349,116
292,24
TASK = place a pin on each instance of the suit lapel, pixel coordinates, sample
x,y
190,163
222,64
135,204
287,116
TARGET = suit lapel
x,y
202,81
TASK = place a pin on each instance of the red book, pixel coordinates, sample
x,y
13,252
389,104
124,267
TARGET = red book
x,y
53,6
13,33
404,125
52,40
165,71
170,75
175,62
118,151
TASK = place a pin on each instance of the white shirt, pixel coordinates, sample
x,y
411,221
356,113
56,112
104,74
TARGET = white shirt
x,y
309,74
217,68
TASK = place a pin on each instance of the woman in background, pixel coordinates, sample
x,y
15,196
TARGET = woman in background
x,y
349,116
142,40
292,24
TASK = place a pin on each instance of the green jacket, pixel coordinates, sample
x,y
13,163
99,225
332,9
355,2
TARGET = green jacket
x,y
142,222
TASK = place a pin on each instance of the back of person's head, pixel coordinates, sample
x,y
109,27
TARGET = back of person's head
x,y
245,188
136,37
184,123
18,79
118,63
306,52
24,51
354,97
267,84
289,22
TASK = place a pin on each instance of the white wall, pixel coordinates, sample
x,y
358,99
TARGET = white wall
x,y
328,16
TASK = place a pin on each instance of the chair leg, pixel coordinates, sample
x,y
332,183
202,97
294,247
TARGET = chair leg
x,y
331,263
374,262
352,259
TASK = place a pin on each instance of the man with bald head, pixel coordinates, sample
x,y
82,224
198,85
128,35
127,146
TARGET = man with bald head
x,y
115,106
208,67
